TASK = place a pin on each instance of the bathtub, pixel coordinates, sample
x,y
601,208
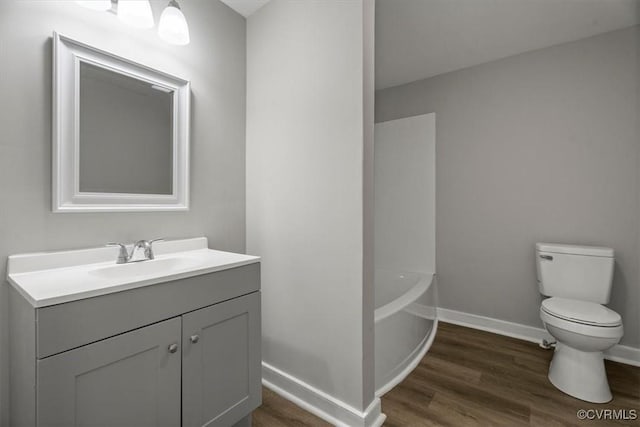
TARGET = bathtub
x,y
405,324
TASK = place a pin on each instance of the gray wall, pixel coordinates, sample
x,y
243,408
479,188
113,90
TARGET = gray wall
x,y
215,64
368,214
542,146
305,169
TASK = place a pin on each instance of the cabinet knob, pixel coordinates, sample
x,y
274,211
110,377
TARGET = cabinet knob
x,y
173,348
194,338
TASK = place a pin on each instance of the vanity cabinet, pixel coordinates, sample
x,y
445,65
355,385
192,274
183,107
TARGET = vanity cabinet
x,y
180,353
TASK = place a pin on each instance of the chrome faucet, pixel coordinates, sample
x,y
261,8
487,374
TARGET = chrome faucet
x,y
124,256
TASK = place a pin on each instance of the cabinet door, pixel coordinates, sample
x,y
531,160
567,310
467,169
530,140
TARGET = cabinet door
x,y
129,380
221,376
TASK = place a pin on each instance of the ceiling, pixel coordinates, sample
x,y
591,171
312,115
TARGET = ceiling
x,y
245,7
416,39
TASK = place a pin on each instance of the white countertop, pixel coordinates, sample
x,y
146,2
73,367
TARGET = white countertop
x,y
49,278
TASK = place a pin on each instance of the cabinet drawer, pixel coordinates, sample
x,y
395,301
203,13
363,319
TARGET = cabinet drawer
x,y
66,326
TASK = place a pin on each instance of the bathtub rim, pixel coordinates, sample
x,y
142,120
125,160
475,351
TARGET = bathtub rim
x,y
400,303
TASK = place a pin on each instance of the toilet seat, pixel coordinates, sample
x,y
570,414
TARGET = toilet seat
x,y
583,312
608,332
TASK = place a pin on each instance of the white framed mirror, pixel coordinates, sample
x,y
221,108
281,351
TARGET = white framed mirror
x,y
120,133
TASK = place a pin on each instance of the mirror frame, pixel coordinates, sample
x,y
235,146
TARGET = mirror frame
x,y
66,197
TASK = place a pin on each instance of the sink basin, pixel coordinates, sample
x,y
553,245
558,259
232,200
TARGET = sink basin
x,y
156,267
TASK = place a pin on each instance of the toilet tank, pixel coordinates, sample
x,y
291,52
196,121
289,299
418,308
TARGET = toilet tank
x,y
577,272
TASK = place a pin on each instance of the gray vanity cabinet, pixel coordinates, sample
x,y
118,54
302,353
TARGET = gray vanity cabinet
x,y
179,353
221,362
132,379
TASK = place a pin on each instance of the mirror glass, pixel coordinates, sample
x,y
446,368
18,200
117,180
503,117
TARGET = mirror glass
x,y
126,135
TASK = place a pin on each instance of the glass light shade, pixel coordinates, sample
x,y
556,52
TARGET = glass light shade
x,y
173,27
101,5
136,13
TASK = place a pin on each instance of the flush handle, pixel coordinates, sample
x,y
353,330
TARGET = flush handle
x,y
547,257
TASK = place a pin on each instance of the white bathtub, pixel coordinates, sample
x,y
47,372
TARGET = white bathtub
x,y
405,324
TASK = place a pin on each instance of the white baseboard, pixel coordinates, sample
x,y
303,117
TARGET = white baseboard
x,y
318,402
623,354
618,353
489,324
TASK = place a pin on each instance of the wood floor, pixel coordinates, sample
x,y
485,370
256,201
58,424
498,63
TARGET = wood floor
x,y
475,378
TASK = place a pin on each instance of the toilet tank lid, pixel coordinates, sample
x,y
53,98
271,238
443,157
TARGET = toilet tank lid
x,y
575,249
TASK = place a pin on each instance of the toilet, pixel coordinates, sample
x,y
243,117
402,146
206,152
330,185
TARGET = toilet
x,y
577,280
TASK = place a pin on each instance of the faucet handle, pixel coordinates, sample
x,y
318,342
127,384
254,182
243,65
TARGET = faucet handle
x,y
123,255
149,250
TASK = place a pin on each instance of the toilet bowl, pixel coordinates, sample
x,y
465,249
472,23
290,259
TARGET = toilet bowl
x,y
583,331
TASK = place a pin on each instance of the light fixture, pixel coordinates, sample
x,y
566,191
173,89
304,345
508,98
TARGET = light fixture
x,y
173,27
136,13
101,5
